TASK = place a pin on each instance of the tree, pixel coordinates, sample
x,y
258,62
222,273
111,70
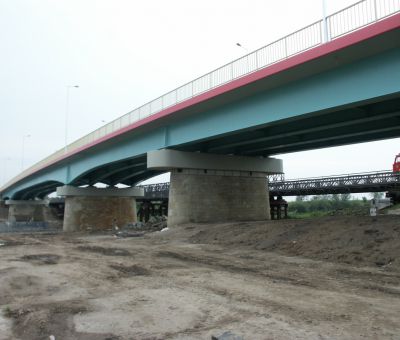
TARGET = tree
x,y
376,195
345,197
335,197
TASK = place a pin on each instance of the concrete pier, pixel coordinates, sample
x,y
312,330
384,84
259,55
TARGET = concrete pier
x,y
212,197
26,211
98,209
3,211
215,188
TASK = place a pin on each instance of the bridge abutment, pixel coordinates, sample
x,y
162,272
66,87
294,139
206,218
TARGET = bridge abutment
x,y
98,209
215,188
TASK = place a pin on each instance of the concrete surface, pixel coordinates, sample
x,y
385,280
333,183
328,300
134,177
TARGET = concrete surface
x,y
96,213
172,159
69,190
3,211
196,197
24,211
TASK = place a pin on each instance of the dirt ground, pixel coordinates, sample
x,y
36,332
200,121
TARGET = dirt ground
x,y
327,278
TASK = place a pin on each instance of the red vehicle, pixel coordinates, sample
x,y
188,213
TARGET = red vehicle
x,y
396,164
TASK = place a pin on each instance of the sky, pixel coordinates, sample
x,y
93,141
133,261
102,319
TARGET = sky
x,y
124,53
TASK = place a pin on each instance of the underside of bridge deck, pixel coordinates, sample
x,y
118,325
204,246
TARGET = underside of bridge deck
x,y
349,95
359,122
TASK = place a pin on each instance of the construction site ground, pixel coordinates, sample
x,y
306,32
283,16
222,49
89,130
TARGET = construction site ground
x,y
325,278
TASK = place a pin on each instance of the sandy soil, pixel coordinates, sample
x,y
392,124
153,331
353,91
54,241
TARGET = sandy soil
x,y
328,278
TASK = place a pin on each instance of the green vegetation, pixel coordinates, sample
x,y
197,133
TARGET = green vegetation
x,y
7,312
325,205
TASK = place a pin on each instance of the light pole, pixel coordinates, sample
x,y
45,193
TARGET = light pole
x,y
23,150
66,116
241,46
324,22
246,56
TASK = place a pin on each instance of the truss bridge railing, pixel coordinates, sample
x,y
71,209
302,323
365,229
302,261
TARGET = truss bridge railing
x,y
158,191
339,184
352,183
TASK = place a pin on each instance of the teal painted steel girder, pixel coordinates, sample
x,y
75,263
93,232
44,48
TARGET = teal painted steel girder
x,y
364,94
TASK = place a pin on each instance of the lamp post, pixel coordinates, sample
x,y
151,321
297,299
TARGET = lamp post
x,y
241,46
324,22
23,150
66,116
246,56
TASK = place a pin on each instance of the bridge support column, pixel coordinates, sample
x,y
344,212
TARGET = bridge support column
x,y
215,188
98,208
217,197
3,211
26,210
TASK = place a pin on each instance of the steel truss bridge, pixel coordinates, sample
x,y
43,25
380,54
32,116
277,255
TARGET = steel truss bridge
x,y
339,184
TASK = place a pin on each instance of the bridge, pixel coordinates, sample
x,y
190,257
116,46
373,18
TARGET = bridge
x,y
379,181
341,184
298,93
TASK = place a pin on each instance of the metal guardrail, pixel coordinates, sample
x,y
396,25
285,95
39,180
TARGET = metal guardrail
x,y
347,20
367,182
156,191
360,182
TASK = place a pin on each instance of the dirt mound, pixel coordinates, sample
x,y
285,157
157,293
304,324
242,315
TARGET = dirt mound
x,y
362,241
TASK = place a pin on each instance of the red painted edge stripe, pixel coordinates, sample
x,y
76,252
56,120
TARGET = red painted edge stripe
x,y
347,40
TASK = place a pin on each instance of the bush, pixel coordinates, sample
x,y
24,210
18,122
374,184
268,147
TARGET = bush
x,y
327,205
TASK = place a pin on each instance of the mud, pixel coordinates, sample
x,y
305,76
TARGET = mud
x,y
9,243
105,251
41,259
356,241
41,321
128,271
311,279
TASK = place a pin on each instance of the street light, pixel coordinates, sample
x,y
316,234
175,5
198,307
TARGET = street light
x,y
66,115
241,46
23,150
245,56
325,21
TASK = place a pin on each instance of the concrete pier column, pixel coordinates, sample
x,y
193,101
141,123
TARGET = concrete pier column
x,y
26,211
217,196
215,188
3,211
98,208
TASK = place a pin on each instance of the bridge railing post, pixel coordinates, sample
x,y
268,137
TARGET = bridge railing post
x,y
286,50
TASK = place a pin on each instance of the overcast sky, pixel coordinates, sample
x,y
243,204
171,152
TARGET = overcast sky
x,y
123,53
